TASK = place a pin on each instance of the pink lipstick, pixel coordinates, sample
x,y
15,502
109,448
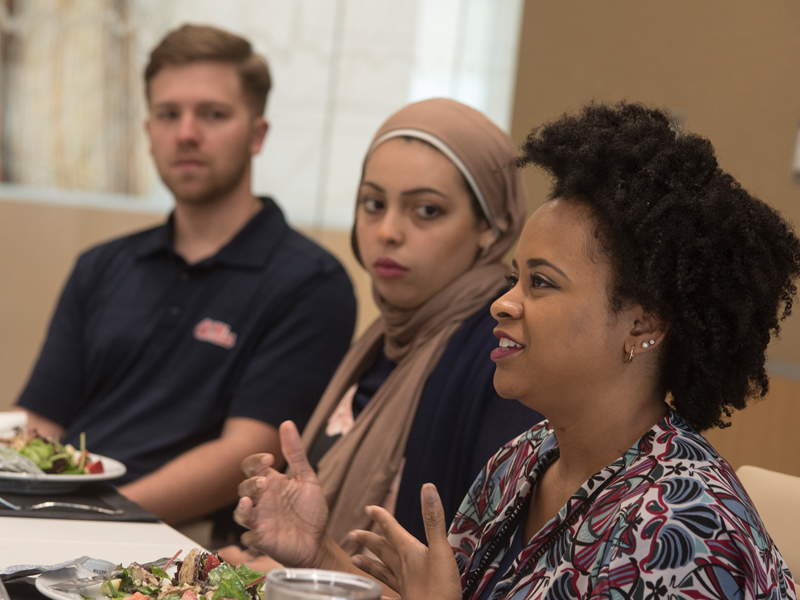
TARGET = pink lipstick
x,y
388,268
508,346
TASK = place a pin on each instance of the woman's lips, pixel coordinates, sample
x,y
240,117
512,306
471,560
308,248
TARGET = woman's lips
x,y
508,346
388,268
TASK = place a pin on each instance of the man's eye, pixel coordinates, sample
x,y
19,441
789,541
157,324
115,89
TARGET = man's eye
x,y
167,115
428,211
214,115
512,280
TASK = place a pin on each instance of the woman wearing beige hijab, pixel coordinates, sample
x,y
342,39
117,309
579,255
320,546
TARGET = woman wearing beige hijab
x,y
437,210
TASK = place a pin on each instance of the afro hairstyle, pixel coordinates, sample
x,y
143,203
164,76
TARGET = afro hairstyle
x,y
684,241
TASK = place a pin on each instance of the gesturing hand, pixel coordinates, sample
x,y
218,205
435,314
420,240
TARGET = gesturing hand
x,y
286,516
416,571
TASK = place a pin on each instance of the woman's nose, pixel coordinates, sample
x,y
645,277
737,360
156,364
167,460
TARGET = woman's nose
x,y
507,306
391,228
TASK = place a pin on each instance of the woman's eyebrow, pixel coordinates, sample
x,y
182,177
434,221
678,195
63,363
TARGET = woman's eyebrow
x,y
423,190
373,185
412,192
532,263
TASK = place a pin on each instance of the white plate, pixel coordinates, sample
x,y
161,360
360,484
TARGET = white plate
x,y
27,483
90,568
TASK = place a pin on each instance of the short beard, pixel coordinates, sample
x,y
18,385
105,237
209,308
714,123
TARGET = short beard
x,y
216,187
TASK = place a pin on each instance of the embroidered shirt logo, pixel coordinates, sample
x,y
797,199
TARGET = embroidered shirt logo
x,y
215,332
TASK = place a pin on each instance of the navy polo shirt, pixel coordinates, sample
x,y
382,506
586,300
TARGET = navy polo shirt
x,y
149,355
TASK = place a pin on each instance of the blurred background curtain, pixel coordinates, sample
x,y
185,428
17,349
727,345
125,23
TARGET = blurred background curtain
x,y
72,104
69,118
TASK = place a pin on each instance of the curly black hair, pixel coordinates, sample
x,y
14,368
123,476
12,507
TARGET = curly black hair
x,y
684,241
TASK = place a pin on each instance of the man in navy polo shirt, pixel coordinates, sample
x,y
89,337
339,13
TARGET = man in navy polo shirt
x,y
179,350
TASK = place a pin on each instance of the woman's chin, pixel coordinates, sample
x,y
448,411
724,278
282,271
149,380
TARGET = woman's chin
x,y
399,298
504,387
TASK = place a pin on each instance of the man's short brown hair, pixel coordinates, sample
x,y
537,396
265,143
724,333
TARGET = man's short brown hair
x,y
193,43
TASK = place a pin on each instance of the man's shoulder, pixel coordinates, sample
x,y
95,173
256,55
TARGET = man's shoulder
x,y
305,249
118,252
130,243
298,251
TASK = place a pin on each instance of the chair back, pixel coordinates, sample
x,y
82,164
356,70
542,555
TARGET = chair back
x,y
777,499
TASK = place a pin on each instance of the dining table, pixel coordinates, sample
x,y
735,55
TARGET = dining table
x,y
45,521
26,541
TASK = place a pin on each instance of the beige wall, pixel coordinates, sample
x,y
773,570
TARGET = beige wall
x,y
38,246
731,68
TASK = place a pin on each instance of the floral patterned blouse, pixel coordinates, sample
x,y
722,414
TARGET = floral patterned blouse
x,y
667,520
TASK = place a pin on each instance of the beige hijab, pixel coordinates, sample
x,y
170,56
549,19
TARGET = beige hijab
x,y
360,466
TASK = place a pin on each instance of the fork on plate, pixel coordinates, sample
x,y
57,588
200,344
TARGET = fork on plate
x,y
105,511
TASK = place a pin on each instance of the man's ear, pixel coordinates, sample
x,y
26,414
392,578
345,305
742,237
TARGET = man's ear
x,y
146,126
260,128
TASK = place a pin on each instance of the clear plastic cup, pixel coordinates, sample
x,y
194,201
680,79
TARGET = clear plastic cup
x,y
316,584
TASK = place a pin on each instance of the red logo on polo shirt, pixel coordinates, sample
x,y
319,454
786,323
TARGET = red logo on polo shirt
x,y
215,332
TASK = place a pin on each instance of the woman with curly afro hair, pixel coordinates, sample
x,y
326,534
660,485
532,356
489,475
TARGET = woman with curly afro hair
x,y
644,295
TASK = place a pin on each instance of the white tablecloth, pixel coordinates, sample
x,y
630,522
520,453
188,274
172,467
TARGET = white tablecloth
x,y
51,541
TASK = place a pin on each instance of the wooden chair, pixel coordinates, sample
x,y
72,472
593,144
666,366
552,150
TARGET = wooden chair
x,y
777,499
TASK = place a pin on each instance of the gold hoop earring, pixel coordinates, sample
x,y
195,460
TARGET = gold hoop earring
x,y
630,356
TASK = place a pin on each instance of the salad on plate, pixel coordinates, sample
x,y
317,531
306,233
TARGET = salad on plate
x,y
200,576
30,452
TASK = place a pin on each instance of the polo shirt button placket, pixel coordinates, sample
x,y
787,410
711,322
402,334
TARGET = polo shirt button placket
x,y
175,310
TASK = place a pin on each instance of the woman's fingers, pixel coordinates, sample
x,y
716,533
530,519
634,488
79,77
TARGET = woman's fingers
x,y
241,514
257,464
376,569
379,546
252,487
294,453
250,539
434,519
392,530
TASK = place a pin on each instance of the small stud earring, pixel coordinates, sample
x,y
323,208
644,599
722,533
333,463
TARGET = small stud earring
x,y
652,342
645,345
630,356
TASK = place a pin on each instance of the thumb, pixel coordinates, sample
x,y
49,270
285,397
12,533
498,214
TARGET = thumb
x,y
433,518
294,453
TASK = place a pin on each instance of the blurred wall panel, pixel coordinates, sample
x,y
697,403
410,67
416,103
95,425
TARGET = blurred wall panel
x,y
729,70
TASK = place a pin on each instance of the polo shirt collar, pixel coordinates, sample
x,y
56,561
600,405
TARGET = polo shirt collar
x,y
250,248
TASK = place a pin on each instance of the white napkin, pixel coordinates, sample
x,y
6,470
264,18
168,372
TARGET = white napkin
x,y
11,419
